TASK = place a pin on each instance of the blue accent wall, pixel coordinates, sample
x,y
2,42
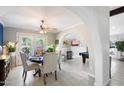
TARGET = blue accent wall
x,y
1,34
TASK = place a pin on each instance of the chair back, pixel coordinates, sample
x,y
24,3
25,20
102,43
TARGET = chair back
x,y
50,62
59,56
24,60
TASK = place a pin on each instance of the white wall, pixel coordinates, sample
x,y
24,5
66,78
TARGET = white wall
x,y
103,24
96,20
117,37
10,34
76,50
1,21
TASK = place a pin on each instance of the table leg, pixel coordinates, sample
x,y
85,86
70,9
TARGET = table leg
x,y
35,73
84,60
46,75
39,72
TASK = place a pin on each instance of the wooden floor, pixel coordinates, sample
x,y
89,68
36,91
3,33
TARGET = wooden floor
x,y
73,73
117,73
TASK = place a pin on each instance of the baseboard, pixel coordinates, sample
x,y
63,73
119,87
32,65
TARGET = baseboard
x,y
105,84
91,75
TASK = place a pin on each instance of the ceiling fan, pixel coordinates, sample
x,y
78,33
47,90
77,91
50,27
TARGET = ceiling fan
x,y
45,28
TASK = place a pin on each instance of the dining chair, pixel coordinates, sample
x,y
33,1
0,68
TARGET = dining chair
x,y
50,64
63,55
59,59
27,67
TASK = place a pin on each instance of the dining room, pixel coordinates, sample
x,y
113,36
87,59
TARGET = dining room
x,y
30,42
36,43
60,46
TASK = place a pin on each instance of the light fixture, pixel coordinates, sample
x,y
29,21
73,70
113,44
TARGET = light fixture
x,y
43,27
43,31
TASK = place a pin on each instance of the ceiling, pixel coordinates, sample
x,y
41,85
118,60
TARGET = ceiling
x,y
114,7
72,36
117,24
30,17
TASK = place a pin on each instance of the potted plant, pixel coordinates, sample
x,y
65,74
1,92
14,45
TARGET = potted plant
x,y
11,47
120,47
51,48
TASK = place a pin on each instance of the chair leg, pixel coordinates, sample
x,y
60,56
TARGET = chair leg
x,y
39,73
23,73
59,66
64,58
25,76
44,79
46,74
55,75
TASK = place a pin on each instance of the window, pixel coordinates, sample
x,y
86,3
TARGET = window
x,y
28,43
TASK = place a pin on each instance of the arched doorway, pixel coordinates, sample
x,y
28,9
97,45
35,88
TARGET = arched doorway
x,y
79,32
97,24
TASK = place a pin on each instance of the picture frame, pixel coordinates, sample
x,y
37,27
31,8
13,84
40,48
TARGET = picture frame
x,y
75,42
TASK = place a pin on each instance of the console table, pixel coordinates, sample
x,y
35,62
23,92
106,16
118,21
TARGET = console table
x,y
4,68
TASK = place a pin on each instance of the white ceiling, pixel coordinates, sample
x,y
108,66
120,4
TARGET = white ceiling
x,y
30,17
72,36
114,7
117,24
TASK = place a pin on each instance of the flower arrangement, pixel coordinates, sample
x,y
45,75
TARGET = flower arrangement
x,y
11,46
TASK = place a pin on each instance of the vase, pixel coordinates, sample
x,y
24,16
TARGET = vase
x,y
12,54
13,59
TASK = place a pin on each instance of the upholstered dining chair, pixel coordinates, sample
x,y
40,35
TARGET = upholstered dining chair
x,y
27,67
50,64
59,59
